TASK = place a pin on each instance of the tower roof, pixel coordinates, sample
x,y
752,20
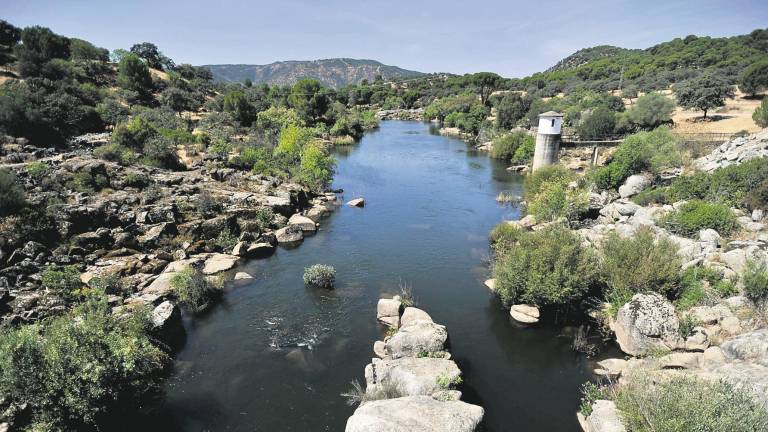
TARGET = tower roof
x,y
550,114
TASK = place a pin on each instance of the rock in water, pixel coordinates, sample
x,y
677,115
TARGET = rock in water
x,y
411,315
421,337
306,224
242,275
289,234
357,202
411,375
415,413
524,313
647,321
166,322
218,263
388,312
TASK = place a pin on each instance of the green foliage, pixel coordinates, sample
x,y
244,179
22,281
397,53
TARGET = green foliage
x,y
317,167
320,275
599,123
39,46
511,109
504,236
703,93
237,104
590,393
116,153
687,324
639,264
535,182
441,108
160,152
659,195
651,110
133,75
88,182
684,403
742,184
545,267
760,116
112,111
62,280
152,56
77,370
225,241
470,121
524,152
756,280
12,196
698,284
292,141
448,382
697,215
192,289
486,83
85,51
37,170
134,133
557,199
645,151
506,146
754,78
309,99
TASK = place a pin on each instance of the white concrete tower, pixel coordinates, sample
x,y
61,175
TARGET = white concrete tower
x,y
547,150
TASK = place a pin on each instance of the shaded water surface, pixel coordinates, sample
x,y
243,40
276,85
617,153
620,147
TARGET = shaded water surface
x,y
275,356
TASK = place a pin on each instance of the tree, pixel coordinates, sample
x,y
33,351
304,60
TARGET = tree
x,y
754,79
177,99
152,55
651,110
39,46
703,93
84,50
511,109
308,98
12,197
9,37
629,92
760,116
486,83
237,104
117,55
599,123
133,74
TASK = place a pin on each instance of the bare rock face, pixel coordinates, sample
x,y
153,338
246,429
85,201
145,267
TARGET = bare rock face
x,y
751,347
634,185
604,418
388,312
411,315
421,337
306,224
647,321
218,263
289,234
166,322
415,413
411,375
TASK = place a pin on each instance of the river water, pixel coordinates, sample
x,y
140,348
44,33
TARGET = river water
x,y
275,355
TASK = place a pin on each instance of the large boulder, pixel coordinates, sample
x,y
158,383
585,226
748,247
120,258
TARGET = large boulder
x,y
604,418
306,224
260,250
523,313
415,413
289,234
411,375
388,312
218,263
634,185
751,347
421,337
411,315
357,202
166,322
648,321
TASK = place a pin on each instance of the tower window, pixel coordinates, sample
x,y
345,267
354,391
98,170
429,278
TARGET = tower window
x,y
553,122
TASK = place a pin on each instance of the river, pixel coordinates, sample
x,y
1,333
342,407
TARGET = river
x,y
275,355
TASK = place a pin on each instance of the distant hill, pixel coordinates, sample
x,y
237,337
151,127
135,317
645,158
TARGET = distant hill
x,y
331,72
607,67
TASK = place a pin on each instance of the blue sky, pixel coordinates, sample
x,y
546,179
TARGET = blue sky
x,y
512,38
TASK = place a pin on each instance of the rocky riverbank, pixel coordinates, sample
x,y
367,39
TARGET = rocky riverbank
x,y
717,338
416,114
411,384
140,225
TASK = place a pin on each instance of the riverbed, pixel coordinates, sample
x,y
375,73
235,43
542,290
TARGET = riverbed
x,y
275,355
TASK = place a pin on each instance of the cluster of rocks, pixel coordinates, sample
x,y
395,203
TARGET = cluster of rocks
x,y
410,385
735,151
416,114
144,225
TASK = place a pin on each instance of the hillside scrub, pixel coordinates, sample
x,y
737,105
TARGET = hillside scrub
x,y
686,403
760,116
651,110
638,264
697,215
507,146
735,185
77,371
645,151
12,196
549,267
756,280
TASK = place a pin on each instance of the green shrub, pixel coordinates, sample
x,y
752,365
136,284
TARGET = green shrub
x,y
264,217
77,370
504,236
756,280
320,275
160,152
225,240
590,393
535,182
506,146
37,170
193,290
545,267
697,215
693,290
599,123
760,116
12,196
684,404
110,284
687,324
645,151
134,133
743,184
524,152
651,110
659,195
639,264
316,168
115,153
63,280
556,199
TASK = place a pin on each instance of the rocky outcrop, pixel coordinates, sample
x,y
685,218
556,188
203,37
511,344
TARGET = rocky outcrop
x,y
635,184
411,385
604,418
416,114
735,151
415,413
648,321
357,202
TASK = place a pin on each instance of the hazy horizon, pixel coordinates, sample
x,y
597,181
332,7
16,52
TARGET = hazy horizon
x,y
513,39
